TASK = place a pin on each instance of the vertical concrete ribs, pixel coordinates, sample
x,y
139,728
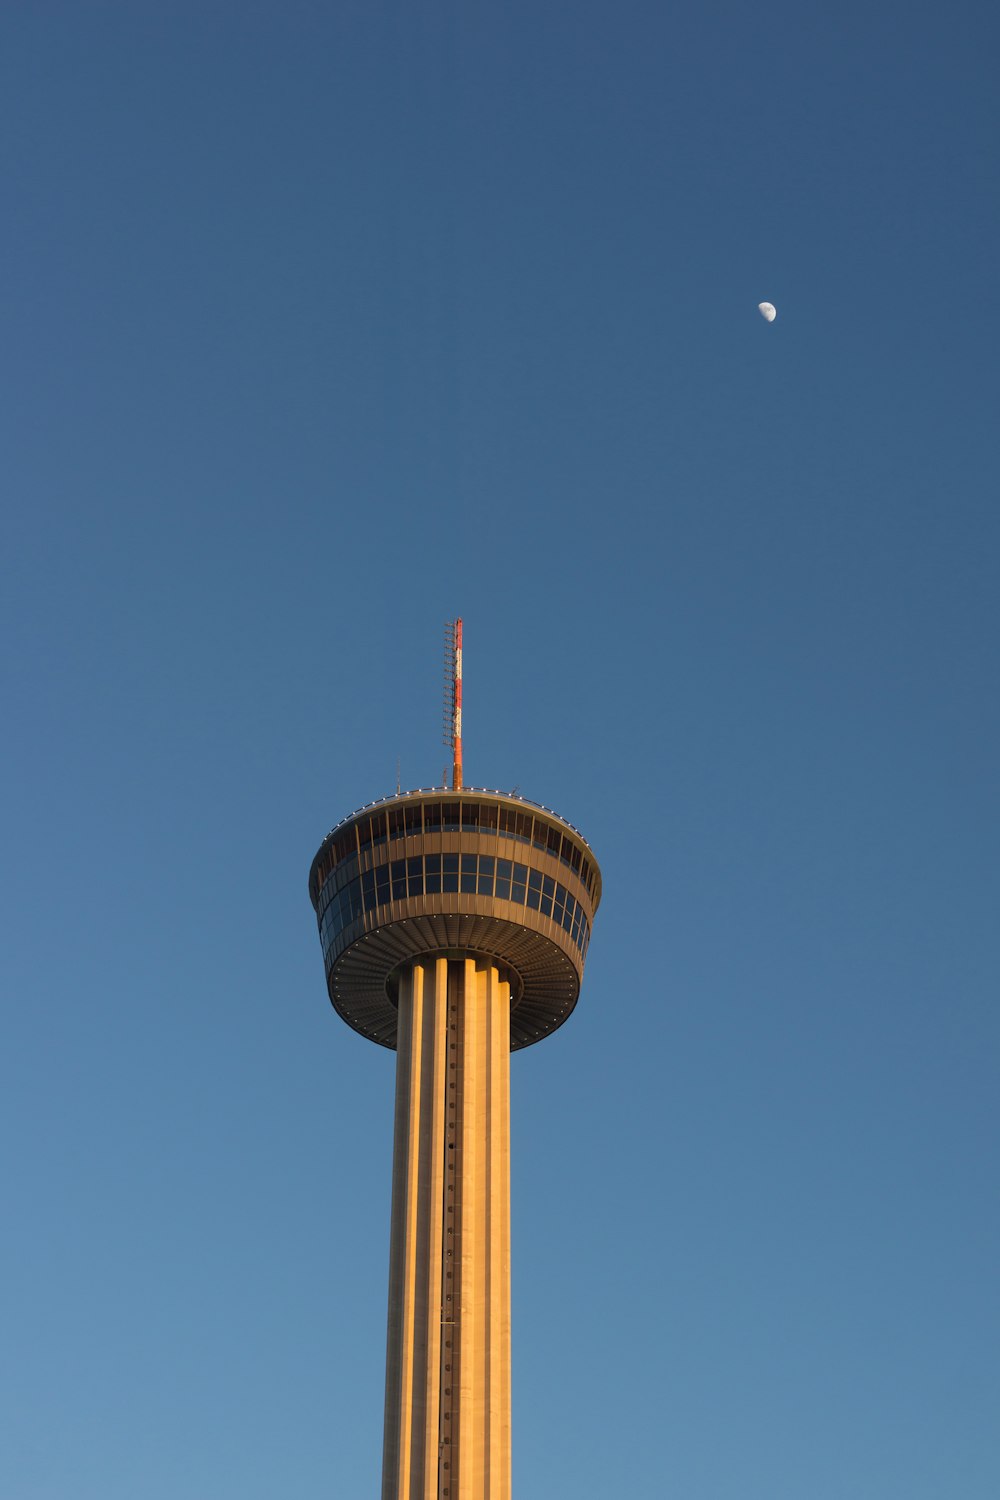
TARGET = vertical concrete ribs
x,y
447,1397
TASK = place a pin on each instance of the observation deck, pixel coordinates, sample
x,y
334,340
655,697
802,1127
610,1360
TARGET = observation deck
x,y
467,873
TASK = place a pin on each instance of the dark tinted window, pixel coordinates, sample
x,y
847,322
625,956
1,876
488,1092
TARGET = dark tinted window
x,y
432,817
413,819
452,813
448,873
470,817
515,825
397,825
488,819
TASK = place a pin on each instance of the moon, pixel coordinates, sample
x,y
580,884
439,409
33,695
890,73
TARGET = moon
x,y
768,311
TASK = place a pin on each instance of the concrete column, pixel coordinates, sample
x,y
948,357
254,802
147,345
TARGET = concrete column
x,y
447,1407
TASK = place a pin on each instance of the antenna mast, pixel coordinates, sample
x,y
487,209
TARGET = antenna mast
x,y
453,698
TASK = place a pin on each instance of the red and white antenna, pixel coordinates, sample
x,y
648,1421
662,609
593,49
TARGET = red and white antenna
x,y
453,698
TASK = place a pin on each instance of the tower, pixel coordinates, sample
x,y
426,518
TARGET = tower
x,y
454,924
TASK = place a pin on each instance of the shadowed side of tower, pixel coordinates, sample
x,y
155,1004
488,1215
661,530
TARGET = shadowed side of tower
x,y
454,927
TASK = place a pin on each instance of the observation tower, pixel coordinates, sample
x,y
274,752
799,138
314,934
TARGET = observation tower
x,y
454,924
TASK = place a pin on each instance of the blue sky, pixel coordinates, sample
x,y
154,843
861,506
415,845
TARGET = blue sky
x,y
320,325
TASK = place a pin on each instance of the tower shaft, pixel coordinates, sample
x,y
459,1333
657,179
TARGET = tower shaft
x,y
447,1398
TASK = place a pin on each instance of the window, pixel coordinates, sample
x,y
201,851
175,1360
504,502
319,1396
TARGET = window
x,y
488,819
470,817
397,824
436,874
432,817
341,912
541,834
413,819
452,812
515,825
554,841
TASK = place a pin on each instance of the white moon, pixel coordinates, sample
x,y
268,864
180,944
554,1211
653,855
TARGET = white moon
x,y
767,311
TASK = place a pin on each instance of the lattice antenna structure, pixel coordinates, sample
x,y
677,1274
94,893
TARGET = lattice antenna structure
x,y
453,699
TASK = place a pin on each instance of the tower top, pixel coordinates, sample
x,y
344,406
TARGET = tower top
x,y
473,873
454,872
